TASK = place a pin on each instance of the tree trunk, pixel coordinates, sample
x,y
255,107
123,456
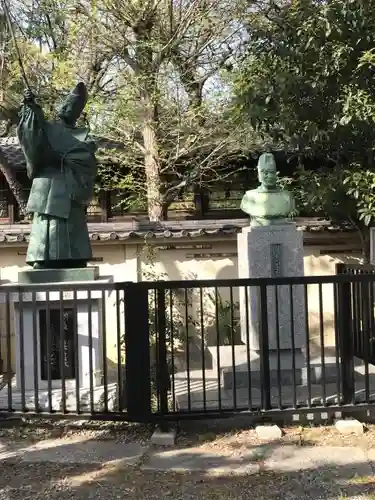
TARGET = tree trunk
x,y
365,237
155,199
14,184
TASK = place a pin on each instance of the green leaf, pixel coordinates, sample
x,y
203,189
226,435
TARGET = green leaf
x,y
345,120
367,219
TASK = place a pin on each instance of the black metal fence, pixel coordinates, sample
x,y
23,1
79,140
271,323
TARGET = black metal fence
x,y
158,351
62,349
362,302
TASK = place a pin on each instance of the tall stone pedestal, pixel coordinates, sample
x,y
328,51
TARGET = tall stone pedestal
x,y
270,252
38,326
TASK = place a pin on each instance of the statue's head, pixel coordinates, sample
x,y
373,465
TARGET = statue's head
x,y
71,109
267,173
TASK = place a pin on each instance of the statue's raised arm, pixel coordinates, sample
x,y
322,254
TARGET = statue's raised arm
x,y
31,133
62,165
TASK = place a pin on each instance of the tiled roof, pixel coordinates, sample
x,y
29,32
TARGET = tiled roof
x,y
11,149
138,230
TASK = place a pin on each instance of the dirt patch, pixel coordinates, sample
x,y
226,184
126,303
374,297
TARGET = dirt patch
x,y
303,436
34,430
40,481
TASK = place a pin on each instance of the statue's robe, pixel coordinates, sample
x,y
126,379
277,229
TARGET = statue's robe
x,y
62,166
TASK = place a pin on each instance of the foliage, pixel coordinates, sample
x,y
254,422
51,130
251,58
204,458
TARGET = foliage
x,y
154,70
180,325
307,79
170,107
224,316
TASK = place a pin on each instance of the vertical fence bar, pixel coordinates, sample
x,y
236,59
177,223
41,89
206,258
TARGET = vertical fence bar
x,y
366,334
77,354
279,388
307,337
293,345
187,347
162,361
137,348
264,349
171,325
36,353
119,343
337,343
346,341
91,363
247,327
357,316
217,326
62,350
203,348
155,329
372,326
104,348
322,347
49,351
22,352
233,347
9,350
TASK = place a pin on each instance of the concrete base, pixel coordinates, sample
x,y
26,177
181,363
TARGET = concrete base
x,y
34,276
43,399
160,438
350,426
268,432
319,372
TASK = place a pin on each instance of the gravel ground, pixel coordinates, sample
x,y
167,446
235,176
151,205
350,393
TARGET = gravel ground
x,y
34,430
304,436
26,481
20,480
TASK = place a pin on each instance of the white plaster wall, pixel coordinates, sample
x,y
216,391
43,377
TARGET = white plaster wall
x,y
128,262
120,263
180,264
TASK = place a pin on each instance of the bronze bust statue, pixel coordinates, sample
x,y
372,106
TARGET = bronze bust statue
x,y
62,166
267,204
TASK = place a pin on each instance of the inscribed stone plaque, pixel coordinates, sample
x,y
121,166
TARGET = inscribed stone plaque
x,y
276,260
61,336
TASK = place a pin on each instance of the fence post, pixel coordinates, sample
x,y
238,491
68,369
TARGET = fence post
x,y
345,337
137,352
264,349
163,382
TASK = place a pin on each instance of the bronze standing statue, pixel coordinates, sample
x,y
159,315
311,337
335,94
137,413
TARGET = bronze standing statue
x,y
62,166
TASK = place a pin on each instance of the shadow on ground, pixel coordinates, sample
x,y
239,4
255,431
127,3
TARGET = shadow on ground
x,y
63,468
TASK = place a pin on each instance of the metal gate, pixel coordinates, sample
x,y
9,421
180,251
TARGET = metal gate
x,y
362,323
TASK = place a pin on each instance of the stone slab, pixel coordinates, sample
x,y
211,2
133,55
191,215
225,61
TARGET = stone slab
x,y
349,426
34,276
267,252
43,400
76,450
289,458
199,460
208,394
287,376
270,457
160,438
268,432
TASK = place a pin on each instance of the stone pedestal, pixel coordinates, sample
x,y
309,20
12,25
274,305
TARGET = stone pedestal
x,y
34,321
270,252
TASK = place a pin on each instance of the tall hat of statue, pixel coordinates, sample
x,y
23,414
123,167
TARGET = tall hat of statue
x,y
74,104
